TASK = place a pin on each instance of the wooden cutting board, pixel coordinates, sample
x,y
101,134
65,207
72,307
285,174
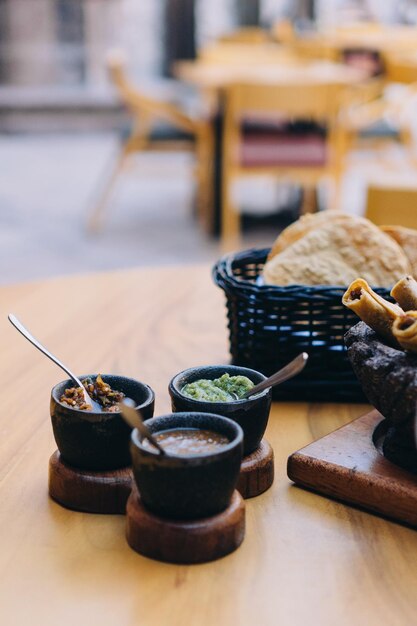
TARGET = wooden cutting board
x,y
347,465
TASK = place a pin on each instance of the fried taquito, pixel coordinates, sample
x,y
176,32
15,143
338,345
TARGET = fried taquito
x,y
405,293
372,309
405,331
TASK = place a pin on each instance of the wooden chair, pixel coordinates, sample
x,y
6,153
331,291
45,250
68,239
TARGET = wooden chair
x,y
302,159
377,121
146,113
304,46
329,44
401,68
284,31
392,204
247,35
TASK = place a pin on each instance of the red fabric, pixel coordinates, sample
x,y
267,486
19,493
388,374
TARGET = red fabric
x,y
283,150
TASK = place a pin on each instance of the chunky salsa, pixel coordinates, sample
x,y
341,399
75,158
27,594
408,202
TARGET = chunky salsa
x,y
108,398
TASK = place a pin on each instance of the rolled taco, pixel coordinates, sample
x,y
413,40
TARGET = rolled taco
x,y
405,331
405,293
372,309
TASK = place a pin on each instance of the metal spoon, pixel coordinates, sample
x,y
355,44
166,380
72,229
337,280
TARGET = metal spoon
x,y
24,331
293,368
135,420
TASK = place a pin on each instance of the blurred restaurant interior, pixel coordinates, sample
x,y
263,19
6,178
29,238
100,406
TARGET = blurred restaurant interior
x,y
208,211
168,131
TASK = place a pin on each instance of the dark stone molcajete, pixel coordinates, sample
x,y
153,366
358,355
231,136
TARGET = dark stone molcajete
x,y
97,441
399,446
188,487
251,414
389,380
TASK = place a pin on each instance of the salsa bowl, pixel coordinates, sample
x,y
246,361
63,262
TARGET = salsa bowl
x,y
188,487
97,440
251,414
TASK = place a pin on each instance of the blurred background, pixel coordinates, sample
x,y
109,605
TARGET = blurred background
x,y
168,131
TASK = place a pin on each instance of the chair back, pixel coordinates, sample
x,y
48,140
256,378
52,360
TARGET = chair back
x,y
247,34
284,31
270,104
147,108
401,69
129,93
319,102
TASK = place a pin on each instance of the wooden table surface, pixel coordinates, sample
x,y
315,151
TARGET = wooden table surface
x,y
305,559
218,75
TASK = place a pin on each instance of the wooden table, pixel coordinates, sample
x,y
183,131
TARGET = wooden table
x,y
305,559
217,76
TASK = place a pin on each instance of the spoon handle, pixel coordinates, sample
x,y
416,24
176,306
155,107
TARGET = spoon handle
x,y
294,367
24,331
134,419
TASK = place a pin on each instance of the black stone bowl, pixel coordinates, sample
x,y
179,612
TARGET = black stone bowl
x,y
92,440
388,377
188,487
251,414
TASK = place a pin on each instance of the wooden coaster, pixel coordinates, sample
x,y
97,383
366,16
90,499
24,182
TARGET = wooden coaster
x,y
85,490
348,465
257,471
187,542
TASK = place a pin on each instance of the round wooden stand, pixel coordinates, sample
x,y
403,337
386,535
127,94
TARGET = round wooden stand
x,y
187,542
257,471
89,491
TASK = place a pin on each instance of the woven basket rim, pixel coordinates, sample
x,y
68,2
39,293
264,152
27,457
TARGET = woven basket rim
x,y
224,275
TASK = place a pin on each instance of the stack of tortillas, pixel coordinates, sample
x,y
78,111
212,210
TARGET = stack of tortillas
x,y
333,248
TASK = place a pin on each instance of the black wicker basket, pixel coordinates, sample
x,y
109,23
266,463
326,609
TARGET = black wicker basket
x,y
270,325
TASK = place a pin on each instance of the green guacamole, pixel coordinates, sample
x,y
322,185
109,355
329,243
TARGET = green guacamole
x,y
219,389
